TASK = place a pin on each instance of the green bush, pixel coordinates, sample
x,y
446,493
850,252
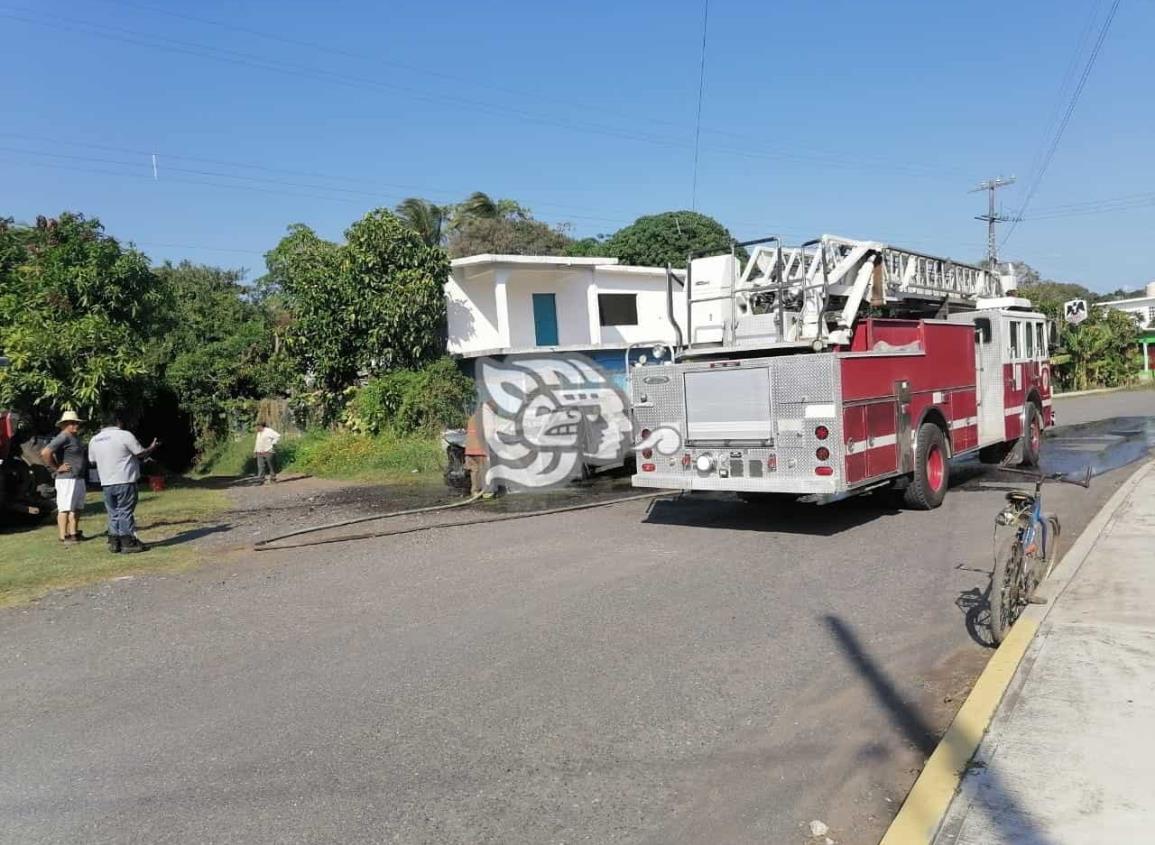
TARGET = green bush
x,y
412,401
347,455
333,454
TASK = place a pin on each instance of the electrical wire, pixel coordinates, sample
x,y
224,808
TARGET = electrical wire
x,y
504,89
164,156
1064,122
701,89
245,59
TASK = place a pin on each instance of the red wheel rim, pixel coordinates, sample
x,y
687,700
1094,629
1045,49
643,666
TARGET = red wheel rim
x,y
1035,434
935,468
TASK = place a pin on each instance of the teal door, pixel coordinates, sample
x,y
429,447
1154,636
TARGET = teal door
x,y
545,319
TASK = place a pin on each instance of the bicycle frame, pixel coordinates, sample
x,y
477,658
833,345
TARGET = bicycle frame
x,y
1036,525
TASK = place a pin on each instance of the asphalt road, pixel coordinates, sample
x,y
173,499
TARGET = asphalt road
x,y
677,671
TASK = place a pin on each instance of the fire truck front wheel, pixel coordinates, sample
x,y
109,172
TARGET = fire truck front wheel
x,y
1032,436
931,469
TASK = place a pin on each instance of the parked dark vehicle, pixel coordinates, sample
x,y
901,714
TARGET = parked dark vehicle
x,y
25,486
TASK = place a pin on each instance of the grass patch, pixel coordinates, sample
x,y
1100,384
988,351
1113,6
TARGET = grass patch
x,y
387,458
35,562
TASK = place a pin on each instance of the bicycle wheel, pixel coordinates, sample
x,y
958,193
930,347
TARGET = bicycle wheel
x,y
1006,593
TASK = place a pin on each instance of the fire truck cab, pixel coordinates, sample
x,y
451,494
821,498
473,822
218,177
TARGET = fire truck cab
x,y
837,367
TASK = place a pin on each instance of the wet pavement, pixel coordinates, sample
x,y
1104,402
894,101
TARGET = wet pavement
x,y
1103,445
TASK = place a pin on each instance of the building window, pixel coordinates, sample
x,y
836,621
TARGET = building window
x,y
1151,317
618,309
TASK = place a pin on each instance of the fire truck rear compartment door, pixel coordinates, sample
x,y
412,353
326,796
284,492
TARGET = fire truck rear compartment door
x,y
728,404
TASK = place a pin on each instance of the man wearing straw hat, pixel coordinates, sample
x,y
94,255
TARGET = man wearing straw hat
x,y
66,454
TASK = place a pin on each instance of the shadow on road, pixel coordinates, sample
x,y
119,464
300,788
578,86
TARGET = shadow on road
x,y
781,514
975,605
1013,822
191,534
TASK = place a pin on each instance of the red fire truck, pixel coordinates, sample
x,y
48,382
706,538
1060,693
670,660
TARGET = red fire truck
x,y
839,366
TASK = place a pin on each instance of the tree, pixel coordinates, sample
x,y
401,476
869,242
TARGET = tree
x,y
667,238
77,312
220,350
592,247
480,206
1099,352
424,218
507,236
370,305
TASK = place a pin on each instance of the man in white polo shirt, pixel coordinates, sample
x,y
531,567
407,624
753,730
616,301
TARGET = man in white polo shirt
x,y
117,454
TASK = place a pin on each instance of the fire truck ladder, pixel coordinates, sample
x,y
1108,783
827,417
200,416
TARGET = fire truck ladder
x,y
803,279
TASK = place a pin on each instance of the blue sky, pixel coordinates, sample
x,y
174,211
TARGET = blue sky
x,y
870,120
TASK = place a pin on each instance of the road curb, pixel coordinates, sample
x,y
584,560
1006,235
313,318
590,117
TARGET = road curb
x,y
927,803
1074,393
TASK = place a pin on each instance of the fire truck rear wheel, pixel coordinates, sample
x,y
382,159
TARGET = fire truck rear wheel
x,y
1032,435
931,469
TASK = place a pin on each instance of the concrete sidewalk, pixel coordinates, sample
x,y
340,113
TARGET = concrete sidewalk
x,y
1070,755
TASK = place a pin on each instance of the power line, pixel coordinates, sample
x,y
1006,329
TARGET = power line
x,y
376,195
1066,119
698,120
1064,87
244,59
517,92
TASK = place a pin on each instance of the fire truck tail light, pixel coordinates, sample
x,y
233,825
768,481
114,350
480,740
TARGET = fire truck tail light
x,y
647,453
772,463
824,470
822,453
822,432
686,461
644,435
648,467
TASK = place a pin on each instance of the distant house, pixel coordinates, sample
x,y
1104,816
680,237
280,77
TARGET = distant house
x,y
1142,307
513,305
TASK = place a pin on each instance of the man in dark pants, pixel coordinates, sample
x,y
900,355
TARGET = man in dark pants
x,y
116,454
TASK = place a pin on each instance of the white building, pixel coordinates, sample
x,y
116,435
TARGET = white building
x,y
1142,307
510,304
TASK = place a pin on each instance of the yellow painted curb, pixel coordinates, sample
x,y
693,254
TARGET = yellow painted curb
x,y
922,812
917,823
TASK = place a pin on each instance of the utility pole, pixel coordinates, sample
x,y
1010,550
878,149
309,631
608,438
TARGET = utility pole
x,y
992,217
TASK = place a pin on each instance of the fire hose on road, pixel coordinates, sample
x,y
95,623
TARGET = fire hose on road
x,y
270,543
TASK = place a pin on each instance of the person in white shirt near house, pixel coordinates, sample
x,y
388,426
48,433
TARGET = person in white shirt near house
x,y
267,439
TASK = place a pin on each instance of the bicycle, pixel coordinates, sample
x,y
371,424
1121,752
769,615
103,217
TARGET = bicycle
x,y
1025,556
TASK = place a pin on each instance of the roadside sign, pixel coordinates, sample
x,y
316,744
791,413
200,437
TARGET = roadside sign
x,y
1075,311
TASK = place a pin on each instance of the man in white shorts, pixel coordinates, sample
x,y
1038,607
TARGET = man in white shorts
x,y
68,457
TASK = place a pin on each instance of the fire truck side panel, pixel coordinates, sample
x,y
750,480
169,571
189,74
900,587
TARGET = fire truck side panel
x,y
854,432
914,370
964,420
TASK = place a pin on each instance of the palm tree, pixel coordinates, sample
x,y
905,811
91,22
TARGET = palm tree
x,y
478,205
481,206
424,218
